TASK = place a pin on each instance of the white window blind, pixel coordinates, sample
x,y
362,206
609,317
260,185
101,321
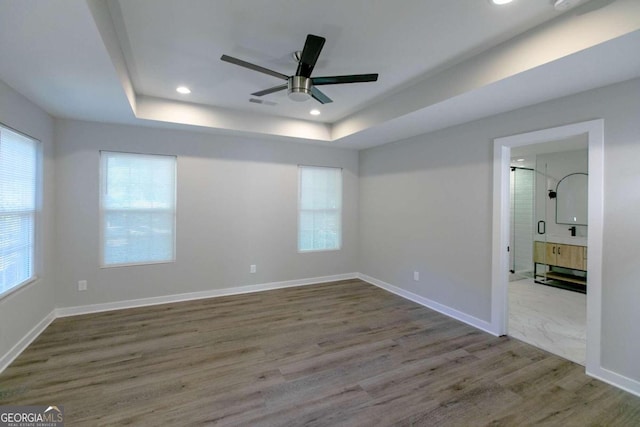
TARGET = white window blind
x,y
319,208
18,172
138,208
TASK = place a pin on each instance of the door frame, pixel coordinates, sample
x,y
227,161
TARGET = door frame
x,y
594,129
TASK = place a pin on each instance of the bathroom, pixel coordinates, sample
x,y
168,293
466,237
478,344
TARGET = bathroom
x,y
548,246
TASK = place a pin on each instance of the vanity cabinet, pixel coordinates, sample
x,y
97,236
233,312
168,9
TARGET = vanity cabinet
x,y
561,255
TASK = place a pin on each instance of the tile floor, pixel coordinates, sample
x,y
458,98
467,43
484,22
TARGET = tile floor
x,y
549,318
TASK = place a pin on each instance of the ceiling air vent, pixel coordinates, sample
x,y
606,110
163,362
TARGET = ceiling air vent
x,y
260,101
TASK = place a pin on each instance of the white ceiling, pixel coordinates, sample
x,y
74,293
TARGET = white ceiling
x,y
441,62
168,43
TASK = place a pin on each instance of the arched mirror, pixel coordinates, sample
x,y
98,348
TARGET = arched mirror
x,y
571,199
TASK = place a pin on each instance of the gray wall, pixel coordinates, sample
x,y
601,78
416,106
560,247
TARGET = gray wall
x,y
23,309
236,206
426,205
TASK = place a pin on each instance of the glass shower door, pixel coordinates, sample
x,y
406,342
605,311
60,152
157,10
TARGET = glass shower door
x,y
522,220
542,251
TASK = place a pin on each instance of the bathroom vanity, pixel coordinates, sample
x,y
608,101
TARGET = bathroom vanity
x,y
560,258
570,258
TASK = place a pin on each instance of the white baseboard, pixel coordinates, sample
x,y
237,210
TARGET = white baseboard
x,y
616,380
440,308
143,302
7,358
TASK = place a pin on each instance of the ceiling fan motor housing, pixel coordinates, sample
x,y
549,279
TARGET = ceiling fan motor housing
x,y
299,88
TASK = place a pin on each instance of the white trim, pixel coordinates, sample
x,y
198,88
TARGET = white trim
x,y
15,351
500,239
212,293
426,302
595,220
499,290
33,279
616,380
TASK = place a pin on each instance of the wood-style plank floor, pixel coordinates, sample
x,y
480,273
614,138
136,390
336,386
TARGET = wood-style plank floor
x,y
344,353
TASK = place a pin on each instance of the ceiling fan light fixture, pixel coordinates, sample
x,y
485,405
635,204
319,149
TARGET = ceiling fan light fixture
x,y
299,88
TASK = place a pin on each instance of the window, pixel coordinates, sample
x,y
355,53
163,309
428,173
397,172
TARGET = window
x,y
319,208
137,199
18,192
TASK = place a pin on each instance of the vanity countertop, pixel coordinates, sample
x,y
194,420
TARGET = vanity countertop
x,y
565,240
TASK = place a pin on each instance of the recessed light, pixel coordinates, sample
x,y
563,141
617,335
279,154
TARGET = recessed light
x,y
501,2
562,5
520,160
183,90
314,112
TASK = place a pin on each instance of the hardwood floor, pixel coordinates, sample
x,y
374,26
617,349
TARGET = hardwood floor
x,y
345,353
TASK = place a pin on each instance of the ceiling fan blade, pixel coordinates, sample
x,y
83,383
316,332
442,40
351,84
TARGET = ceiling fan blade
x,y
334,80
253,67
310,53
319,96
270,90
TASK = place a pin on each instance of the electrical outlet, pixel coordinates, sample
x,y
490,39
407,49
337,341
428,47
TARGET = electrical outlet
x,y
82,285
416,276
252,268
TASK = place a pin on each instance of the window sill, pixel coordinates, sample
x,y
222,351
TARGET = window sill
x,y
134,264
311,251
19,287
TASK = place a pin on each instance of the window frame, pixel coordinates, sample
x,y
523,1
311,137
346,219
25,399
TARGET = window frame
x,y
299,210
36,244
102,210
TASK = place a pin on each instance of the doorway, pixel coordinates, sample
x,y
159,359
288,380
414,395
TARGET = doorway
x,y
594,131
547,301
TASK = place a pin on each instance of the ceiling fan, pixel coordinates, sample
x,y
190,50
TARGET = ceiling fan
x,y
301,86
